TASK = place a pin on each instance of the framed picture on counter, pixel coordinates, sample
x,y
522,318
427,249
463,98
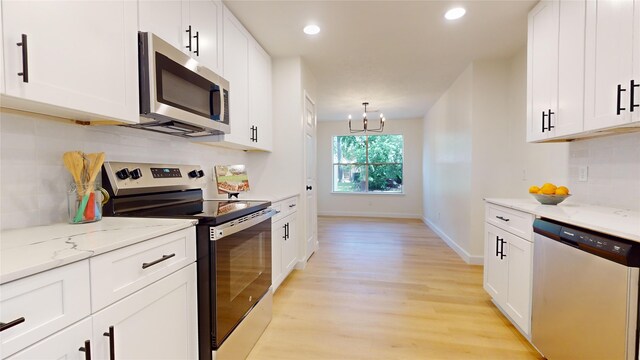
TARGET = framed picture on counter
x,y
231,178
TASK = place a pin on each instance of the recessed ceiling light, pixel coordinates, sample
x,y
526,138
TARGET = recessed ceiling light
x,y
311,29
455,13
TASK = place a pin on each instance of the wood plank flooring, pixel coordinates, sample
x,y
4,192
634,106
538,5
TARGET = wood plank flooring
x,y
386,289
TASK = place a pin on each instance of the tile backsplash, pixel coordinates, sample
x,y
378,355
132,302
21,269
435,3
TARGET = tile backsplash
x,y
33,180
613,171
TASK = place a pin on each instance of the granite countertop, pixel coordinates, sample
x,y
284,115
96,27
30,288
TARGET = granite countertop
x,y
31,250
612,221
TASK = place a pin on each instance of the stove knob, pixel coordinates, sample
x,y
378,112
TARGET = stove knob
x,y
123,174
200,173
193,173
136,174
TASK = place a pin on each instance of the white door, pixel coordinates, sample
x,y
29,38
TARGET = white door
x,y
608,62
82,55
495,263
542,69
157,322
166,20
206,23
64,344
518,296
311,203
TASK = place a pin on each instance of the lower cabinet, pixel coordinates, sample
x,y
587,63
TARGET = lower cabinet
x,y
157,322
507,274
284,241
71,343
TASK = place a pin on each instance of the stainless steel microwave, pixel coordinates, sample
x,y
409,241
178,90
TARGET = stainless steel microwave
x,y
179,96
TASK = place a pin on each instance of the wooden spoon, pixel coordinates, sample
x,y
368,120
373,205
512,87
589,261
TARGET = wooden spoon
x,y
95,169
74,163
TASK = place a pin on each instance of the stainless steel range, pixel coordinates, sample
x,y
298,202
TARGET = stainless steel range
x,y
233,248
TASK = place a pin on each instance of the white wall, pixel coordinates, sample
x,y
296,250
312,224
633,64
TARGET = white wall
x,y
407,205
33,180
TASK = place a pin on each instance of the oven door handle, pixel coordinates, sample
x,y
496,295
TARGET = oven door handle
x,y
232,227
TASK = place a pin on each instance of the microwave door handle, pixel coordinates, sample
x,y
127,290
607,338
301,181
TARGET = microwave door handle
x,y
215,116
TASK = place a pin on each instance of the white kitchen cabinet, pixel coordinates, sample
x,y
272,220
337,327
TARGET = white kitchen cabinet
x,y
70,343
247,67
508,264
555,68
42,304
195,27
612,40
284,240
82,59
157,322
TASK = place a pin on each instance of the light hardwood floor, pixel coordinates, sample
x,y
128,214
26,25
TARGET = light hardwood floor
x,y
386,289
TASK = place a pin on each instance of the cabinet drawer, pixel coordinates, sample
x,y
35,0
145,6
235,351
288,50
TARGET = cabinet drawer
x,y
516,222
291,205
47,302
279,213
119,273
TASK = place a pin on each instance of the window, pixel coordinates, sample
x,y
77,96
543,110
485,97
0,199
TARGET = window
x,y
368,163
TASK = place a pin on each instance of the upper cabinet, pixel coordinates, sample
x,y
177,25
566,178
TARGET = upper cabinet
x,y
612,63
72,59
583,68
247,67
555,68
195,27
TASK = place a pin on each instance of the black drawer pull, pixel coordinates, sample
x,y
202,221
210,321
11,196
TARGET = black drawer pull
x,y
112,342
501,218
618,100
292,205
163,258
632,95
86,349
25,59
10,324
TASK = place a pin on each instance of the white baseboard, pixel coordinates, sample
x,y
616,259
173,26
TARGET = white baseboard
x,y
369,214
468,258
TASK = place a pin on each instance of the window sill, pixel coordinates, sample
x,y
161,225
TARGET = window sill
x,y
368,193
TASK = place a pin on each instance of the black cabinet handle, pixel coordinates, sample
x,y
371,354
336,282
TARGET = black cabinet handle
x,y
10,324
618,100
309,187
550,126
502,254
253,138
632,95
25,59
86,349
188,31
285,230
543,126
292,206
501,218
197,37
256,134
497,246
163,258
112,341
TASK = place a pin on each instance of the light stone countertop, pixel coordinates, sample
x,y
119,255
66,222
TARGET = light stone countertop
x,y
612,221
31,250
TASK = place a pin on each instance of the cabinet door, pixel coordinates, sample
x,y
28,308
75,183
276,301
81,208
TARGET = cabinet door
x,y
608,62
165,18
542,68
495,265
518,296
157,322
82,57
569,106
206,22
290,245
236,66
277,236
64,344
260,95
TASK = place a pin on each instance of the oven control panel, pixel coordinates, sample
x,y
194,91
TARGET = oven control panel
x,y
126,178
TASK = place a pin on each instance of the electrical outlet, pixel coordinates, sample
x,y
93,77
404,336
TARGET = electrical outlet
x,y
583,173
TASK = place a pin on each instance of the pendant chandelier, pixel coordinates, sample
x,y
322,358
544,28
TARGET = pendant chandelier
x,y
365,122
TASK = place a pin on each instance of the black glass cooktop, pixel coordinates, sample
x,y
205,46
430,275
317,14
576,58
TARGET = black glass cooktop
x,y
207,212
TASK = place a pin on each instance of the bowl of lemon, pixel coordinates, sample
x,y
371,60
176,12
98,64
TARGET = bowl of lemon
x,y
549,194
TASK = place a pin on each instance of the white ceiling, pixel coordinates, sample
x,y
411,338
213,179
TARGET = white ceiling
x,y
399,56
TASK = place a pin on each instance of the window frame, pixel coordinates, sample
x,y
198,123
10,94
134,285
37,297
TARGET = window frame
x,y
366,166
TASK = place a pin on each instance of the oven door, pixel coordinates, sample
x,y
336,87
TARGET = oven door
x,y
241,262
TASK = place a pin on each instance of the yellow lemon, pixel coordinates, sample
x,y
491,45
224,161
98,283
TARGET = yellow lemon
x,y
562,190
548,189
534,189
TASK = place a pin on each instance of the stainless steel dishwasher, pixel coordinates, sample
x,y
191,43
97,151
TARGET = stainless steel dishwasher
x,y
585,293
